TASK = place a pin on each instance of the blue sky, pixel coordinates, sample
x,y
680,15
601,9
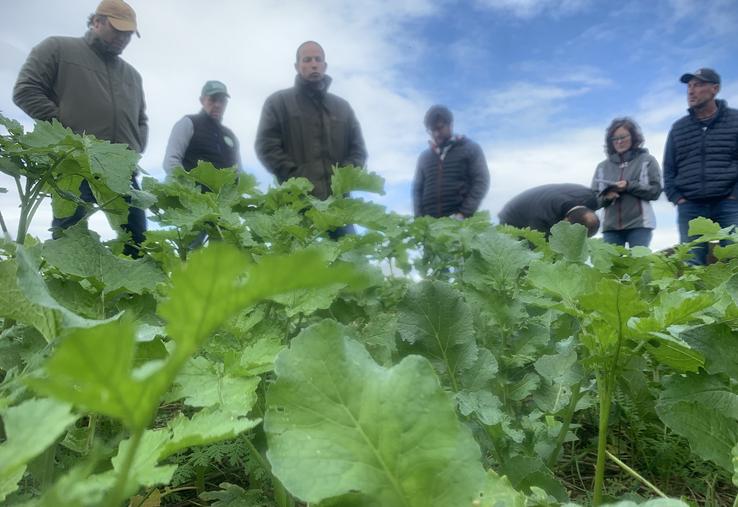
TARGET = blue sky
x,y
535,82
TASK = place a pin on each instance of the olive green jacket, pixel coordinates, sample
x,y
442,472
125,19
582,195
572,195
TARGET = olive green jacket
x,y
73,80
303,132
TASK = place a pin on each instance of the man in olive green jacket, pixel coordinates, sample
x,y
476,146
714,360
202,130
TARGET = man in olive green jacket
x,y
304,130
83,83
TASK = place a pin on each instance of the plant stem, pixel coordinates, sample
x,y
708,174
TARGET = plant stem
x,y
601,441
576,394
118,492
4,227
636,475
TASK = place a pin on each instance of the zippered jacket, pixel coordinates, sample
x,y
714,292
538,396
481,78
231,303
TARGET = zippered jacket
x,y
542,207
72,80
304,132
701,158
450,179
632,209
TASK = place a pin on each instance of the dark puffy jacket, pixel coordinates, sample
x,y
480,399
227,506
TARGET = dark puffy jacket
x,y
305,132
212,142
541,208
72,80
451,179
701,160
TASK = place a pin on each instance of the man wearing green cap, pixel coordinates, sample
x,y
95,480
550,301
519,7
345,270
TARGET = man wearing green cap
x,y
83,83
203,136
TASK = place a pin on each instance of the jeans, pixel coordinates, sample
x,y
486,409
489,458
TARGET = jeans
x,y
638,236
136,224
724,212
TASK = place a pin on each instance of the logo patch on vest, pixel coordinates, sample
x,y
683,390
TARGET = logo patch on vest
x,y
228,141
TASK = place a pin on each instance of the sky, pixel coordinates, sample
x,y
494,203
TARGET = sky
x,y
534,82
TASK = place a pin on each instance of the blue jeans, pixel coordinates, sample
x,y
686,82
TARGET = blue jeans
x,y
724,212
638,236
136,224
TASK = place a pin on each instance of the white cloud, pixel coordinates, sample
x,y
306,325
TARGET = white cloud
x,y
531,8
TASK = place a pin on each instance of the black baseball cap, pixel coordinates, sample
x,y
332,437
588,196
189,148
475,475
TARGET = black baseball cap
x,y
705,75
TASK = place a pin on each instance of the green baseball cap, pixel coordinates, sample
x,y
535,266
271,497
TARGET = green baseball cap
x,y
214,88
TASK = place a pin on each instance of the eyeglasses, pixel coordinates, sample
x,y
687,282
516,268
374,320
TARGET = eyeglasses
x,y
620,139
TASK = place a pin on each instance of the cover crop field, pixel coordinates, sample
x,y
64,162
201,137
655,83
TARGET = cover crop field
x,y
420,363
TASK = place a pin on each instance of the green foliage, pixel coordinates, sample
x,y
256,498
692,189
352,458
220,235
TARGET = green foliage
x,y
329,389
422,362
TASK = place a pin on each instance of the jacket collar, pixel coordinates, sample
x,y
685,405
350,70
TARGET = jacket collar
x,y
94,42
721,105
318,89
629,155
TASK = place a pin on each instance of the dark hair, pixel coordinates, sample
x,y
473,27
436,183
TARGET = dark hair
x,y
437,114
636,137
297,53
586,217
92,17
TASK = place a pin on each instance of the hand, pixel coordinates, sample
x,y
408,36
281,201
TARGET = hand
x,y
457,216
621,185
612,196
681,200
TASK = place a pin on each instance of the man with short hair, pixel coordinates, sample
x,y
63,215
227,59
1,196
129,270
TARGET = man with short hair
x,y
305,130
451,177
203,136
542,207
701,158
83,83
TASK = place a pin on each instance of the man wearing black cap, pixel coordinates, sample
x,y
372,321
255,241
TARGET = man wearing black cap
x,y
203,136
83,83
701,158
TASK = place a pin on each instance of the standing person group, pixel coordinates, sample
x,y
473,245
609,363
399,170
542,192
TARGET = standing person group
x,y
304,131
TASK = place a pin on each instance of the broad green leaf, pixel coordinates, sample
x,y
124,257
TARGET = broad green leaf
x,y
79,253
522,388
565,280
308,301
716,342
705,417
658,502
337,423
30,428
701,226
559,368
675,353
35,290
350,178
497,262
145,470
259,357
486,406
112,164
570,240
93,369
615,303
203,383
437,323
671,308
527,472
205,427
498,492
14,304
213,178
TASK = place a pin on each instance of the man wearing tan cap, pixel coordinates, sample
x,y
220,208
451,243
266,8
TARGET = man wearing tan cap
x,y
83,83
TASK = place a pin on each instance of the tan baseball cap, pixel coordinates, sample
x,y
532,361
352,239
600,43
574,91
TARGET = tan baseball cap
x,y
120,14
